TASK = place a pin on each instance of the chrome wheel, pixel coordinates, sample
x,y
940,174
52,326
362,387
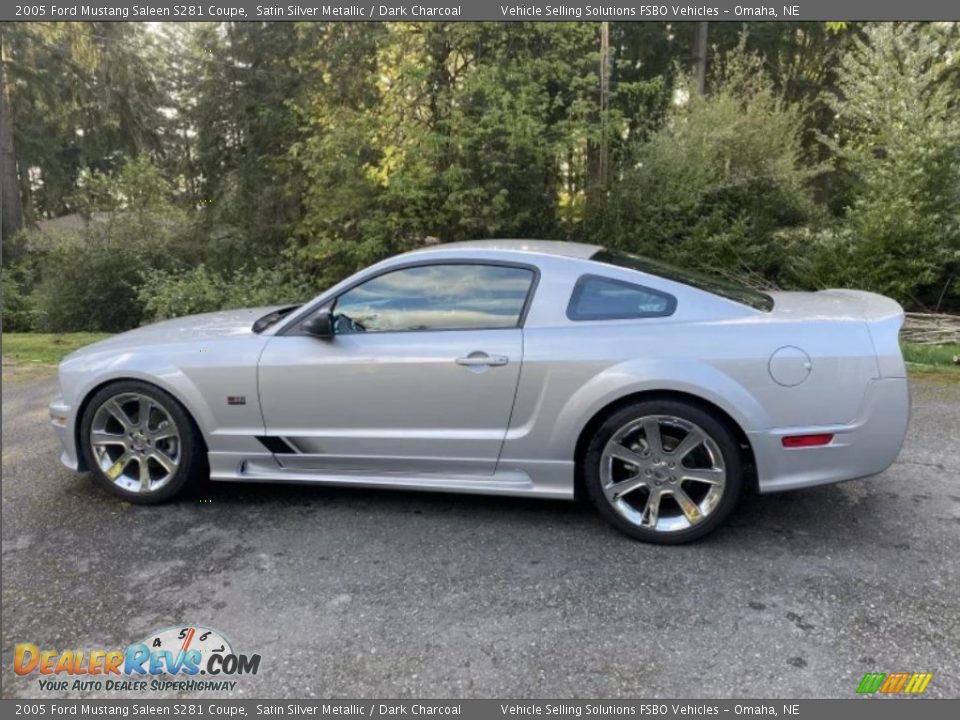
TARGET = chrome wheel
x,y
135,442
662,473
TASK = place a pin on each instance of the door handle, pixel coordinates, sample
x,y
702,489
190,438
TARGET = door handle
x,y
480,358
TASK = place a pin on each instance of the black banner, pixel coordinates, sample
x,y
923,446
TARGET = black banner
x,y
504,10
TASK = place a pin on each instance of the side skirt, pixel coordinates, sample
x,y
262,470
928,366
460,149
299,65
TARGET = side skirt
x,y
553,480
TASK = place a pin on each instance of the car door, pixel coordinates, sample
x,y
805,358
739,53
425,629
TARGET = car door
x,y
419,376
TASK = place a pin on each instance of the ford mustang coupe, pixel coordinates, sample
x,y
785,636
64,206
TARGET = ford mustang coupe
x,y
505,367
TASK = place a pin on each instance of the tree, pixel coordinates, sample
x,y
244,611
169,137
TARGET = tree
x,y
897,148
721,178
90,280
238,96
82,97
11,210
451,131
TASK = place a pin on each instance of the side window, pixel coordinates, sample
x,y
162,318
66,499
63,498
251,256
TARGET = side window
x,y
602,298
436,297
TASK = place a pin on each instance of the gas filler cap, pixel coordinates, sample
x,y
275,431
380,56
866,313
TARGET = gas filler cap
x,y
789,366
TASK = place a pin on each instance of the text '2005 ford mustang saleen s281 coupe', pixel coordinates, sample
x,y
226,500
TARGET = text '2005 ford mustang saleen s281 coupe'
x,y
505,367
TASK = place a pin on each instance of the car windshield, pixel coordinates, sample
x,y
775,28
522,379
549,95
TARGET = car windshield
x,y
272,318
724,287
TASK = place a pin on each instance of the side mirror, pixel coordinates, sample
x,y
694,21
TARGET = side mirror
x,y
320,325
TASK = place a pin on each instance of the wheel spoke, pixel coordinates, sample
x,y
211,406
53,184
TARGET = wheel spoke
x,y
165,431
618,451
651,430
102,437
144,475
651,512
692,441
619,489
711,476
118,414
116,470
167,463
689,508
143,412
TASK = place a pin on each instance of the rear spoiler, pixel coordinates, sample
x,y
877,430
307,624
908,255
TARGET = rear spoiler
x,y
882,316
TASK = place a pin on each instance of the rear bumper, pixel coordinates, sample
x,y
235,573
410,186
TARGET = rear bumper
x,y
865,447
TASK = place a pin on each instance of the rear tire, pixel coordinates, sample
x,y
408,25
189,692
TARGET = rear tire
x,y
663,471
140,443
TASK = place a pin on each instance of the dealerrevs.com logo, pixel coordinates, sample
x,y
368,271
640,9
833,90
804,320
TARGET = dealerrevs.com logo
x,y
169,659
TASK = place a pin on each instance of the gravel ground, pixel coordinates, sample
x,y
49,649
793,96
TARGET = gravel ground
x,y
353,593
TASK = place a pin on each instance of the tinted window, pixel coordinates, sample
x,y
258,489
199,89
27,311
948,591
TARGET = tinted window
x,y
436,297
601,298
729,289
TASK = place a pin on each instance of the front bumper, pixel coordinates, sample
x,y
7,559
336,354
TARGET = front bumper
x,y
62,420
867,446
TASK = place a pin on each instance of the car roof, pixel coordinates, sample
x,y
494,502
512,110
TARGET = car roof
x,y
543,247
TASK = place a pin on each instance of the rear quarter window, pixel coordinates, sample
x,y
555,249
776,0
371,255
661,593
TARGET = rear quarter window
x,y
722,287
602,298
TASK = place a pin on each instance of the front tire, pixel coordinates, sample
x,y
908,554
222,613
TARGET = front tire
x,y
663,471
140,443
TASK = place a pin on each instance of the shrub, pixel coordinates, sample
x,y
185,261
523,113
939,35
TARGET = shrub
x,y
19,308
200,289
721,177
898,151
89,279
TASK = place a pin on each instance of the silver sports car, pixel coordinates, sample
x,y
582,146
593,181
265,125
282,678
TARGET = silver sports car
x,y
505,367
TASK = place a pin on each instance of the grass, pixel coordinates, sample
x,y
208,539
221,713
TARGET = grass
x,y
27,356
932,362
939,356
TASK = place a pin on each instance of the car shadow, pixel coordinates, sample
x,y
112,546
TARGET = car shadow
x,y
834,511
812,517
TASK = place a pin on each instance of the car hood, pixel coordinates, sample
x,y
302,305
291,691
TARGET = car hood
x,y
207,326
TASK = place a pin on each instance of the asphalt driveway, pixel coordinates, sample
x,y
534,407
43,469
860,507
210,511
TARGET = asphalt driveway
x,y
355,593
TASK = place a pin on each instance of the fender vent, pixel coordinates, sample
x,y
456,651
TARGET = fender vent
x,y
276,445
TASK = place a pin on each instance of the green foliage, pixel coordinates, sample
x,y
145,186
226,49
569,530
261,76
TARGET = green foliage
x,y
898,150
940,356
227,164
721,178
200,289
237,81
19,312
455,131
90,280
83,98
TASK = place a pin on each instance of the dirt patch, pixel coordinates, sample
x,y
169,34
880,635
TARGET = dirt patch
x,y
15,373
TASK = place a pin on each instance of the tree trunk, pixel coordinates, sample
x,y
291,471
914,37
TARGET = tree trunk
x,y
700,56
604,99
597,151
11,211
